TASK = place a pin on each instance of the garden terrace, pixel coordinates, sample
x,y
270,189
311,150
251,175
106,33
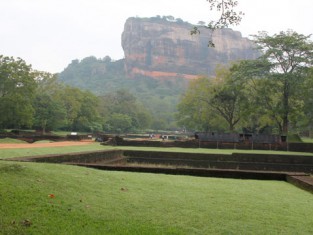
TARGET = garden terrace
x,y
292,168
31,137
261,143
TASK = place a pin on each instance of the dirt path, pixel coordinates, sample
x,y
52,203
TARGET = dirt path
x,y
44,145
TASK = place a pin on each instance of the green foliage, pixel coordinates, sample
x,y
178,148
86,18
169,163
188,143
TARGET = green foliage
x,y
214,103
104,77
120,123
122,112
49,113
94,74
277,77
17,87
192,112
36,99
272,93
306,121
58,106
228,16
81,109
49,109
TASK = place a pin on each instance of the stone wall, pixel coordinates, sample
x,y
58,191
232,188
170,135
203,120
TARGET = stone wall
x,y
201,144
239,161
301,147
284,146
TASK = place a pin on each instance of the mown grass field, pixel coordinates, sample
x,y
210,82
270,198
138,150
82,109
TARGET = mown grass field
x,y
20,152
41,198
37,198
307,140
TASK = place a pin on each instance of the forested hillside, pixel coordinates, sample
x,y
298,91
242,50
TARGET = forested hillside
x,y
104,76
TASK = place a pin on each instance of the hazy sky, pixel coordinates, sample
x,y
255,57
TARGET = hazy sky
x,y
49,34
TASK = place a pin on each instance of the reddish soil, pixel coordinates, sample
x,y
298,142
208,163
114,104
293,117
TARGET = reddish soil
x,y
43,145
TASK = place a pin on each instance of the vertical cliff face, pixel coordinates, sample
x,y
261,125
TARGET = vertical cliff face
x,y
158,48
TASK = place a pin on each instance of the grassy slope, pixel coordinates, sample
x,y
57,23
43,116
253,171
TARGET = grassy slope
x,y
11,141
20,152
88,201
307,140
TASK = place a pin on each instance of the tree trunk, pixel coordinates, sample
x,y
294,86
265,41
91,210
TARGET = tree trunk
x,y
43,127
285,125
286,108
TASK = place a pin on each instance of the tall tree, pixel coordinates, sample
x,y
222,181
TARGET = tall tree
x,y
307,99
194,113
81,109
120,123
279,73
17,85
219,98
88,118
49,109
49,113
124,105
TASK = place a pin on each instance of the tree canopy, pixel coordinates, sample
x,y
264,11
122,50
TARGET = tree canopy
x,y
123,112
273,90
218,103
285,64
35,99
17,86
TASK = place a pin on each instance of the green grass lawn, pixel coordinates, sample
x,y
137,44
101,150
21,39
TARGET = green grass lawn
x,y
88,201
20,152
307,140
11,141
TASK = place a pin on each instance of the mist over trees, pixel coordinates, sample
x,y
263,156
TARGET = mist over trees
x,y
39,100
104,77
